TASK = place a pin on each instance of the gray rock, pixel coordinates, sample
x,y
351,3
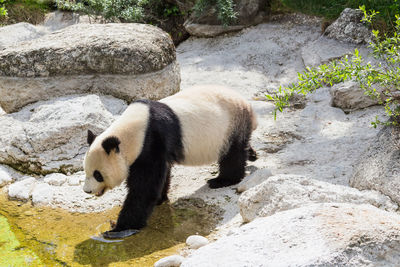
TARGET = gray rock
x,y
42,193
205,30
128,61
170,261
249,12
349,97
56,179
5,177
253,179
22,190
74,181
315,235
379,167
74,199
196,241
50,136
324,50
19,32
284,192
349,28
60,19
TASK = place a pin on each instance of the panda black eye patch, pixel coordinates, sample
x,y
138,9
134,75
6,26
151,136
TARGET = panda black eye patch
x,y
97,175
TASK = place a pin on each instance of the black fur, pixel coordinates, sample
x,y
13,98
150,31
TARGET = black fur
x,y
252,154
97,175
90,137
148,179
232,164
111,143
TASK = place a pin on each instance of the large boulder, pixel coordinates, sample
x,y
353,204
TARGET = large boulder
x,y
50,136
208,24
284,192
349,97
315,235
349,28
379,167
127,61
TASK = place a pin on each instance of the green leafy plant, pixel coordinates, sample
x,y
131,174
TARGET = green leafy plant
x,y
225,9
3,10
109,10
331,9
381,81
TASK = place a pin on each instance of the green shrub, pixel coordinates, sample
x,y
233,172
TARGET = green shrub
x,y
370,77
3,10
110,10
331,9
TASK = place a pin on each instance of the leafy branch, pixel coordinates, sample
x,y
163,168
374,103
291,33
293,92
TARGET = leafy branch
x,y
371,78
3,10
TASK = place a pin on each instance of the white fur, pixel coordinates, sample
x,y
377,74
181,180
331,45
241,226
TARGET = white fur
x,y
130,129
208,114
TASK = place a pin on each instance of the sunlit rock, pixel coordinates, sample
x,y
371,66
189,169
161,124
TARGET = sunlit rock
x,y
284,192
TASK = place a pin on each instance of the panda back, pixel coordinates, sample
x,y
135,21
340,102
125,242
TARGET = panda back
x,y
208,116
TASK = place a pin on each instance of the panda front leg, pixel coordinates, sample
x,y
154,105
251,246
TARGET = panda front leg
x,y
231,166
145,185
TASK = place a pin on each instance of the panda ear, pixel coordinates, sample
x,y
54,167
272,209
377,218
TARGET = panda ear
x,y
111,143
90,137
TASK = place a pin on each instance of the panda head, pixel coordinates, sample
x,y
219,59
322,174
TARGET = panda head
x,y
104,164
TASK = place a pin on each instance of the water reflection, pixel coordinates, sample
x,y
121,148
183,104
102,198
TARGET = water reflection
x,y
58,237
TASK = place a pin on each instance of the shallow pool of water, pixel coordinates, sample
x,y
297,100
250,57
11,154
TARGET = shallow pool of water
x,y
55,237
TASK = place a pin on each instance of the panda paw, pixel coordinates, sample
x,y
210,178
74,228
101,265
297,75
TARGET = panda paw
x,y
113,223
219,182
121,234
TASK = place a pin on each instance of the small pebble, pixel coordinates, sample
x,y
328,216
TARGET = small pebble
x,y
73,181
170,261
196,241
28,213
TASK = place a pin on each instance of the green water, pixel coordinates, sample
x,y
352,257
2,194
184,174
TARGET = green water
x,y
11,251
31,236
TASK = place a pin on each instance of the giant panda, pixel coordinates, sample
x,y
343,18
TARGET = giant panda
x,y
197,126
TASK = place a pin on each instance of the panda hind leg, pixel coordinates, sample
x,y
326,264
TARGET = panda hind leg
x,y
164,194
231,166
251,154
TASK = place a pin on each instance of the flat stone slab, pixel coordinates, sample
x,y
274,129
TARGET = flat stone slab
x,y
128,61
